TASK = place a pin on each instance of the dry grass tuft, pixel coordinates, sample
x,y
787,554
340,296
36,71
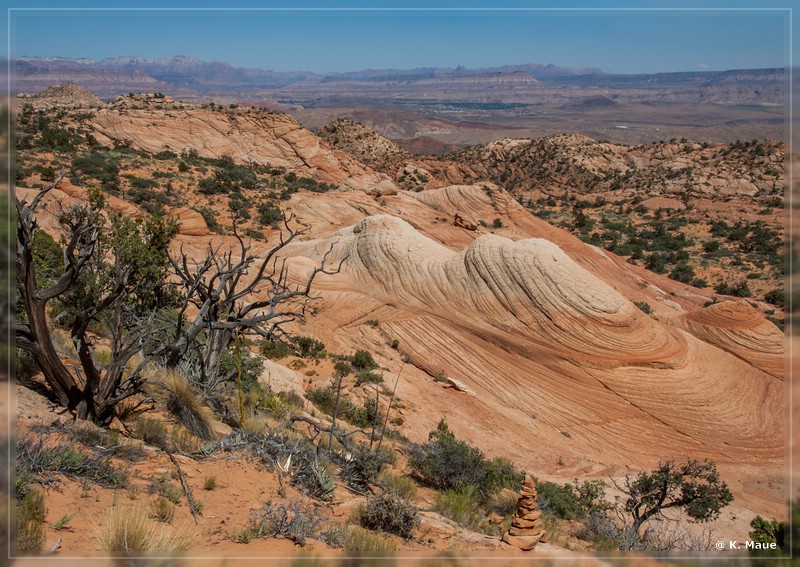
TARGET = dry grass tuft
x,y
30,515
162,510
358,541
185,441
185,403
255,424
130,530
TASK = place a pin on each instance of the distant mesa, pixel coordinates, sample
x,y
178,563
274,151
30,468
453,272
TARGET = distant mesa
x,y
70,95
598,102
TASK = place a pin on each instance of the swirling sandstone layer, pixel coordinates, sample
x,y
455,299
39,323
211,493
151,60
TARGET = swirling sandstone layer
x,y
738,328
531,332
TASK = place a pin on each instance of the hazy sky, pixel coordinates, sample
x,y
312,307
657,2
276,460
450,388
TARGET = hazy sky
x,y
643,37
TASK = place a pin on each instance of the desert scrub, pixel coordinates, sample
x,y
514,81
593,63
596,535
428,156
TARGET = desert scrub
x,y
185,441
363,465
128,529
502,502
389,513
105,442
445,462
290,519
210,483
163,487
306,471
37,458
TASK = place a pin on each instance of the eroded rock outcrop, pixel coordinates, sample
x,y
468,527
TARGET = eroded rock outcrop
x,y
257,136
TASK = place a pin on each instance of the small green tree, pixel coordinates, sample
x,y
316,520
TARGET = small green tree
x,y
694,487
766,531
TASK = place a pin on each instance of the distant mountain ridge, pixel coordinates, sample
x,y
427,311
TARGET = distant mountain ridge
x,y
195,80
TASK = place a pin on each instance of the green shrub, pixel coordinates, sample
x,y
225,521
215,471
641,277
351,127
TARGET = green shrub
x,y
308,347
269,214
274,349
775,296
559,500
738,290
252,366
448,463
366,415
389,513
362,360
325,400
573,501
644,306
768,532
341,368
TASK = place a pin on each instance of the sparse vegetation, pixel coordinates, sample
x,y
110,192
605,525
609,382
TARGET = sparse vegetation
x,y
36,457
359,542
449,463
388,512
290,519
129,530
162,510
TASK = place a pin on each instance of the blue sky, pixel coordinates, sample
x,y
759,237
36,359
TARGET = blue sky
x,y
625,37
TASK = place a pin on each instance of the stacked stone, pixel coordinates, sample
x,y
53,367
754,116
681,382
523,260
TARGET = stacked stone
x,y
527,528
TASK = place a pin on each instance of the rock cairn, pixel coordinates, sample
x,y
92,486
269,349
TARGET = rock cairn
x,y
527,528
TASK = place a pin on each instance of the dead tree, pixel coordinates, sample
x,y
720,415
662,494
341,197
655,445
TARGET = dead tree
x,y
112,265
233,290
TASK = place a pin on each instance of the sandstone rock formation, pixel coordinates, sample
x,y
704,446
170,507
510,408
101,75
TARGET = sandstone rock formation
x,y
527,528
245,135
534,333
190,222
738,328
